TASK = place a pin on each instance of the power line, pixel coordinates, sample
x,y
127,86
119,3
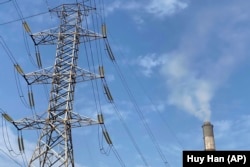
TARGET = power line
x,y
145,124
19,12
134,102
7,50
47,4
26,44
27,17
13,159
118,156
6,138
17,67
141,86
130,135
91,63
160,115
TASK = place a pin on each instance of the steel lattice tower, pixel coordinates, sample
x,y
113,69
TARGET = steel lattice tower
x,y
55,147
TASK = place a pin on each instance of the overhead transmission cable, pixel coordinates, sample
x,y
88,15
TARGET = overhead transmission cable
x,y
141,86
39,64
111,145
21,147
96,26
96,99
27,30
98,54
31,101
155,108
27,17
160,115
109,142
18,69
48,7
7,142
104,83
47,4
149,131
102,9
6,139
100,61
91,67
107,92
13,159
8,52
130,135
118,113
95,87
138,110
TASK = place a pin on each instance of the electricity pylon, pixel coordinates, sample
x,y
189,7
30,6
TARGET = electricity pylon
x,y
54,147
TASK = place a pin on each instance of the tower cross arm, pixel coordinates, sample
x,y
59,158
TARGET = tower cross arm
x,y
79,121
29,123
51,36
46,75
39,122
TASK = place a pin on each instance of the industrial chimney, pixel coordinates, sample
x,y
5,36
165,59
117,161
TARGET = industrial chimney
x,y
208,136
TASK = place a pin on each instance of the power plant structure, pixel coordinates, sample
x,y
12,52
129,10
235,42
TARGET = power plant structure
x,y
208,136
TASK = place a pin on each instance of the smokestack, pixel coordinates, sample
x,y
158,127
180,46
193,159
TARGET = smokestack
x,y
208,136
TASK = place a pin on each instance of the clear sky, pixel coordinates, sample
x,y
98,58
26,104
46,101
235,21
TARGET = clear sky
x,y
185,62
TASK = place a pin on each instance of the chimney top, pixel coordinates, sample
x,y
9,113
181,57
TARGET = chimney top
x,y
208,136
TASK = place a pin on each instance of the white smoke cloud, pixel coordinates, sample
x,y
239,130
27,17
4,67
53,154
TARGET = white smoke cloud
x,y
192,80
187,90
208,52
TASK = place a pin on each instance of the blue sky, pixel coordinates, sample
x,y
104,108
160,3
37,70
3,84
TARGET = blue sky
x,y
185,61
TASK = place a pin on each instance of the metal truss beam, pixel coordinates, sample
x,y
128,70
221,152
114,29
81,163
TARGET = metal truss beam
x,y
55,147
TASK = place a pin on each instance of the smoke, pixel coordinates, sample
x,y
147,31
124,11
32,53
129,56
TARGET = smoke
x,y
211,45
192,80
209,52
187,89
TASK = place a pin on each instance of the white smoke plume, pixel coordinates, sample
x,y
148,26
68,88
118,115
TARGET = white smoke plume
x,y
192,81
212,45
187,90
